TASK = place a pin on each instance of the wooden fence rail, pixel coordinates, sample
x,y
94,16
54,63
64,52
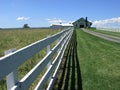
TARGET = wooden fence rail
x,y
10,62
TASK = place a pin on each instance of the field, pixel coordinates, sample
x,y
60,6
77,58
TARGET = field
x,y
91,63
99,62
18,39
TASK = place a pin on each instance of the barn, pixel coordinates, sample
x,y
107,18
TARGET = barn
x,y
82,23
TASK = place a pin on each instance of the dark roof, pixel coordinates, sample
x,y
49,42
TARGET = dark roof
x,y
81,20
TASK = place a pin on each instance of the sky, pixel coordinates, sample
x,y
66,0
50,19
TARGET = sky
x,y
43,13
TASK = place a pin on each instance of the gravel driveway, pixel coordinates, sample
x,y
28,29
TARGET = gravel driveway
x,y
104,36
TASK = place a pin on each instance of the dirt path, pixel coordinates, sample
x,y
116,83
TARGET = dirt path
x,y
104,36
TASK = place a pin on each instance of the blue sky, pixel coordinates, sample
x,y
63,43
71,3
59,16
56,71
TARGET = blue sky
x,y
42,13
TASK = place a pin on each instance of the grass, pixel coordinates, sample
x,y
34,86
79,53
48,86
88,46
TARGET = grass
x,y
18,39
97,59
99,62
69,77
107,32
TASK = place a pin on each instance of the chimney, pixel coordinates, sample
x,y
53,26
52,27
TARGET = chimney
x,y
86,22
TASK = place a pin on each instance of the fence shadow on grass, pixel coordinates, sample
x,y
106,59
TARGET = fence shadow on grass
x,y
70,78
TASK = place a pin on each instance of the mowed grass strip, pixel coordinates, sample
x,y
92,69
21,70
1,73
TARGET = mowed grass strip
x,y
69,77
99,62
117,34
21,38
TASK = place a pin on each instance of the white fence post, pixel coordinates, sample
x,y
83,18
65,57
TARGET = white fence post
x,y
58,42
50,62
12,78
48,50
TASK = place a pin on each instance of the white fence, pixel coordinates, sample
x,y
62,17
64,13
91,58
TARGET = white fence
x,y
10,63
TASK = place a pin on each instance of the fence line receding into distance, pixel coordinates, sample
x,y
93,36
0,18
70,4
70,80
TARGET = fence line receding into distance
x,y
10,62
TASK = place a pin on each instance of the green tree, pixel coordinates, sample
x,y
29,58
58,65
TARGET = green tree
x,y
26,26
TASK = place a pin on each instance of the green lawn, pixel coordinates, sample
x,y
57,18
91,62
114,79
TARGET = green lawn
x,y
107,32
99,62
21,38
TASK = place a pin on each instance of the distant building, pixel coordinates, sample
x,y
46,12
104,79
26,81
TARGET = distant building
x,y
56,26
82,23
61,26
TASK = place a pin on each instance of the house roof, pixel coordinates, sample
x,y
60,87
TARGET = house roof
x,y
81,20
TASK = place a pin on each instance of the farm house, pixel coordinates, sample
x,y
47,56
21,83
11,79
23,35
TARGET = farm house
x,y
82,23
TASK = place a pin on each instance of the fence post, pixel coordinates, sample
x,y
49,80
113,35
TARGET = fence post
x,y
58,40
48,50
50,62
12,78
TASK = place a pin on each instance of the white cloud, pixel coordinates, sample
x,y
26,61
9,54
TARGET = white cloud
x,y
23,18
106,22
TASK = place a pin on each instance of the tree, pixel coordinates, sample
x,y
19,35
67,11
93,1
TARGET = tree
x,y
26,26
